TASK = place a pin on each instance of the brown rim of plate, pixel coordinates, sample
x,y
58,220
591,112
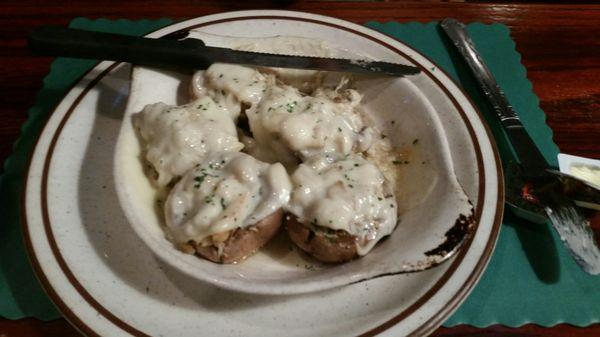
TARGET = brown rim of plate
x,y
423,329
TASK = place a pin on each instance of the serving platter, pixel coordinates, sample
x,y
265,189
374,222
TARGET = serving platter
x,y
107,282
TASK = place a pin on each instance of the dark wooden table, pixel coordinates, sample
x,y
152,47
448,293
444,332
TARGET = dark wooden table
x,y
560,46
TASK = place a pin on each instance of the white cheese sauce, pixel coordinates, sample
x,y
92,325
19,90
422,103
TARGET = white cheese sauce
x,y
287,124
224,192
293,124
231,85
350,194
178,137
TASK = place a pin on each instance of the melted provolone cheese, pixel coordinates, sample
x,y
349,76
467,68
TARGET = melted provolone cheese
x,y
222,81
178,137
288,125
349,194
305,80
295,124
223,193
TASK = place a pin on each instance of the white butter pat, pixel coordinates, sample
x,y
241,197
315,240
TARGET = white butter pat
x,y
587,173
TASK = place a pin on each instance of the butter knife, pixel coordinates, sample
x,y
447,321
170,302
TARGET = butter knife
x,y
572,227
186,53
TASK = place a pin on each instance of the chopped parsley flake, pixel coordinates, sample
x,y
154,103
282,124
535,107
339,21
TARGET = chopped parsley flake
x,y
339,129
208,199
309,267
415,141
396,162
290,106
223,203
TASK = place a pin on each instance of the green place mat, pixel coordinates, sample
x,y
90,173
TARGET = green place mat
x,y
531,278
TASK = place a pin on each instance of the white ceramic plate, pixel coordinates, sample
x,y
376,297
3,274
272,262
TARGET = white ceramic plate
x,y
107,282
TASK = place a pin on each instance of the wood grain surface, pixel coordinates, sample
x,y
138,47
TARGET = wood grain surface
x,y
559,44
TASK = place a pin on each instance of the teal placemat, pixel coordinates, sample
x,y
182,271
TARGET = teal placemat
x,y
530,279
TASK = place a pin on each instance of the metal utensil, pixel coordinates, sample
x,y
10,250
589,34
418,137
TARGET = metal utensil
x,y
550,186
186,53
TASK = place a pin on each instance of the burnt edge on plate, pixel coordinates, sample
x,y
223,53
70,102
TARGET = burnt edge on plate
x,y
457,234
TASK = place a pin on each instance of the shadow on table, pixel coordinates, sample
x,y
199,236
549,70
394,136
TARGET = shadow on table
x,y
539,247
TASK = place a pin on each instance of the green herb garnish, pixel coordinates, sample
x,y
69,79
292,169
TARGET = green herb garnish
x,y
290,106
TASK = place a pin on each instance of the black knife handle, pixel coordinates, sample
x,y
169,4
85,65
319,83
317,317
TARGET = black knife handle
x,y
69,42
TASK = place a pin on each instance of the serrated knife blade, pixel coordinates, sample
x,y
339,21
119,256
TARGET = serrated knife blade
x,y
187,53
